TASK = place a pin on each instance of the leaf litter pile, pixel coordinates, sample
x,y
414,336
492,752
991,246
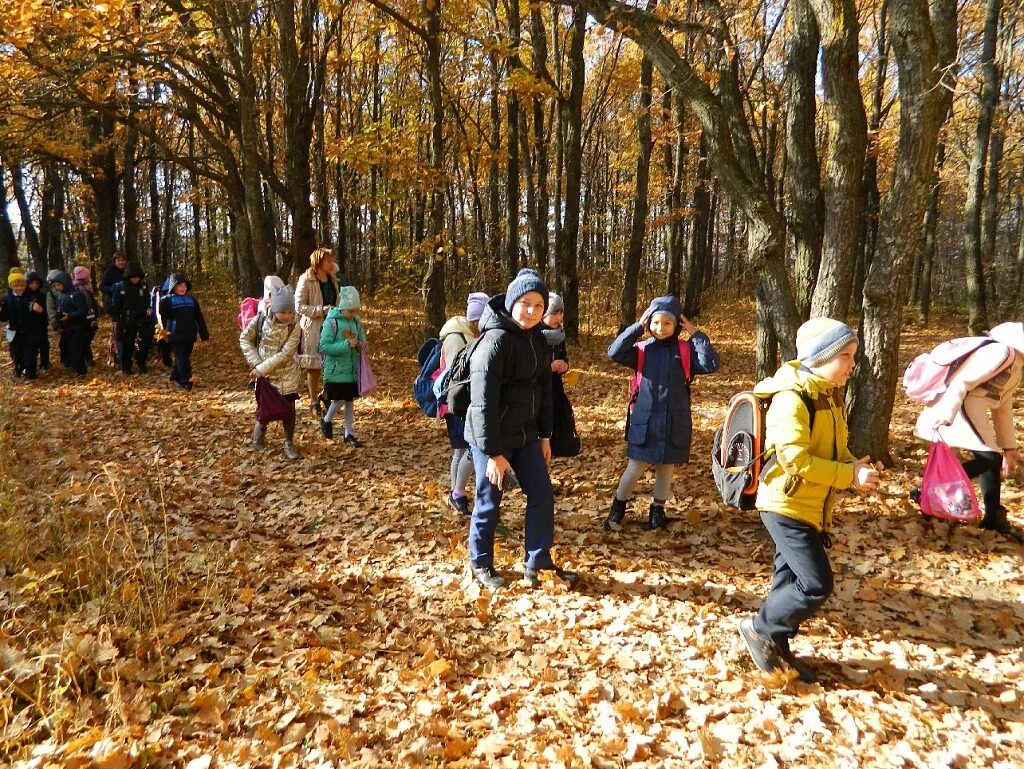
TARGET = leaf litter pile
x,y
172,598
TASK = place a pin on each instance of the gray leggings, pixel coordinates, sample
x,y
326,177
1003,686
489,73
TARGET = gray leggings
x,y
634,469
462,466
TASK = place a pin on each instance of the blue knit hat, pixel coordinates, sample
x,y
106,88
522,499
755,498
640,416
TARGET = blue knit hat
x,y
819,340
526,281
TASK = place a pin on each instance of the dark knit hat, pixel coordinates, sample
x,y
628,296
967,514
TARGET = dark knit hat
x,y
819,340
132,271
526,281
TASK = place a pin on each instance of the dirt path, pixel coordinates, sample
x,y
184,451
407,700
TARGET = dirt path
x,y
171,596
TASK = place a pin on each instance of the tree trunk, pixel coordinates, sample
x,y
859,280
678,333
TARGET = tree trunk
x,y
433,281
803,172
924,46
675,170
301,102
130,243
697,252
539,221
987,101
990,209
35,249
494,242
52,219
8,240
631,268
157,255
931,220
844,162
869,221
567,277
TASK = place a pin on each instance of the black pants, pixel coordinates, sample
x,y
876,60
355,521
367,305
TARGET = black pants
x,y
135,343
90,334
802,582
987,467
182,373
44,350
73,340
17,345
31,347
164,348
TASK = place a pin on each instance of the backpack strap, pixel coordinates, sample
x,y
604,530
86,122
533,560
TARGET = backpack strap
x,y
811,405
684,359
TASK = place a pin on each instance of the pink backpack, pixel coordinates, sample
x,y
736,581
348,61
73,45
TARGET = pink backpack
x,y
247,310
925,378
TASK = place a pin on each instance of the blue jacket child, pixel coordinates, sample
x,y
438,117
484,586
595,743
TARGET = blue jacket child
x,y
659,427
183,318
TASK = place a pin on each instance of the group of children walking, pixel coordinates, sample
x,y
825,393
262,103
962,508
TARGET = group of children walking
x,y
65,305
516,358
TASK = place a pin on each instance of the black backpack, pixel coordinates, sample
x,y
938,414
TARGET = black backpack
x,y
738,454
455,386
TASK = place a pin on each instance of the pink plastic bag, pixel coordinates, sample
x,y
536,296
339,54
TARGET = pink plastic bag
x,y
367,379
946,491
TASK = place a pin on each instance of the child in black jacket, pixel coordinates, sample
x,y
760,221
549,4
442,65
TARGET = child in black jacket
x,y
26,317
508,426
183,319
133,318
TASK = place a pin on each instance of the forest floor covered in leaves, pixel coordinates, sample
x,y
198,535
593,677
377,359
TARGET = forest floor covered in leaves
x,y
172,598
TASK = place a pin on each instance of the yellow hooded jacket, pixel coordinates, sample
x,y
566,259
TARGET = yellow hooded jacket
x,y
812,463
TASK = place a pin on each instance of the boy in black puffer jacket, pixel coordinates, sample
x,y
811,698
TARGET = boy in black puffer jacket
x,y
184,320
509,425
133,318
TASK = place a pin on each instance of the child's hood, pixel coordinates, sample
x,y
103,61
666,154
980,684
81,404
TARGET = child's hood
x,y
668,305
457,325
495,316
793,375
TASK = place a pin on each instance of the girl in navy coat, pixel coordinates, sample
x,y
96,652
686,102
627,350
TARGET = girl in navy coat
x,y
659,426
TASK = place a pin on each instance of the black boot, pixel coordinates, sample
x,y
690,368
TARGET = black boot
x,y
656,518
614,520
995,520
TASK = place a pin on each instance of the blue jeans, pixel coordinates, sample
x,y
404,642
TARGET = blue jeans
x,y
532,472
803,578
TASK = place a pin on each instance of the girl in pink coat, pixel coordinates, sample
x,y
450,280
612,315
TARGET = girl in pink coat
x,y
975,413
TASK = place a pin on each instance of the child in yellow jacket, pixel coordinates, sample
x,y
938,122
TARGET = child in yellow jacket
x,y
797,490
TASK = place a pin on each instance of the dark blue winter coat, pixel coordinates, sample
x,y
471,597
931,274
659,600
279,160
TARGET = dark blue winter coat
x,y
660,427
510,384
182,316
72,308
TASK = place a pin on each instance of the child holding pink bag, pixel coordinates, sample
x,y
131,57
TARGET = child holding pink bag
x,y
975,413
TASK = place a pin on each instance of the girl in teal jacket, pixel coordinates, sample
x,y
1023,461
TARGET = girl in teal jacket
x,y
341,338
